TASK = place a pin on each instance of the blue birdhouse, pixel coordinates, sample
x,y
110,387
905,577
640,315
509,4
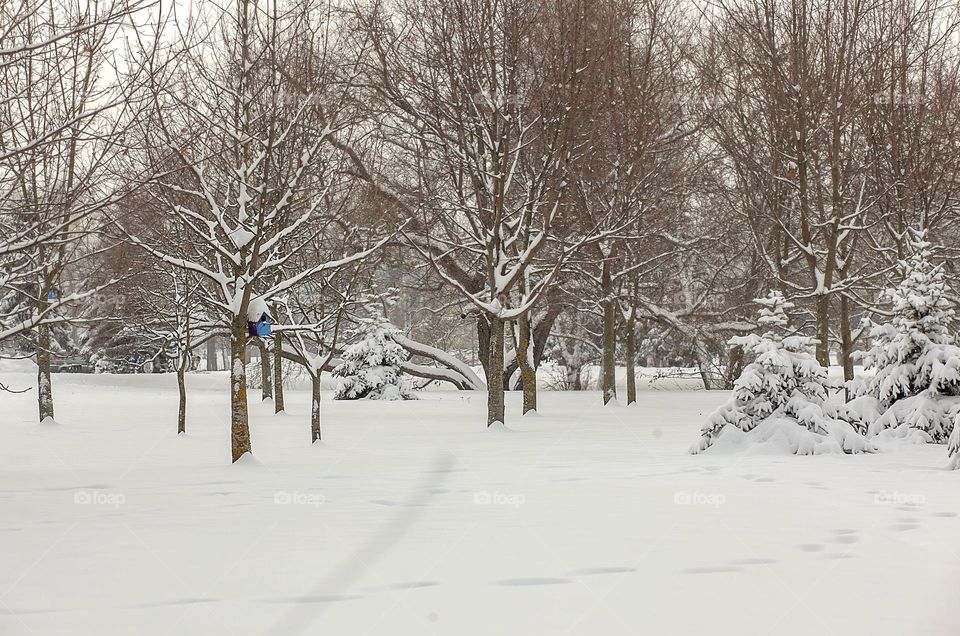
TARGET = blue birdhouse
x,y
261,327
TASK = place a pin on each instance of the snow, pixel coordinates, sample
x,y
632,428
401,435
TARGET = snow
x,y
413,518
241,237
256,308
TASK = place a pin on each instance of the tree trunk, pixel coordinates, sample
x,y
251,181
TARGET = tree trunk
x,y
239,422
213,354
44,386
704,362
315,409
734,366
846,343
631,362
609,359
182,387
266,375
483,341
181,378
577,374
495,397
528,373
277,373
823,330
540,331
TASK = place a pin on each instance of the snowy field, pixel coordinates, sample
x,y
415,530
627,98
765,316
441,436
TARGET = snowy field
x,y
411,518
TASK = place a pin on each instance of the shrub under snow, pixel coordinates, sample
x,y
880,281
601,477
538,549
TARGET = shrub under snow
x,y
371,368
916,386
780,401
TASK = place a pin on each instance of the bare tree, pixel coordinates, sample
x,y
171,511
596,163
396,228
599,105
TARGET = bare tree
x,y
65,107
225,142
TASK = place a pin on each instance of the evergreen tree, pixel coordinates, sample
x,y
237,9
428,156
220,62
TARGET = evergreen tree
x,y
782,396
371,368
913,357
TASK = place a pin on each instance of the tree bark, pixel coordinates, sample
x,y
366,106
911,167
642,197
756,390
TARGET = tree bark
x,y
528,373
266,375
239,421
181,378
213,354
483,341
495,397
609,359
182,388
315,409
278,373
823,330
704,362
631,355
846,343
44,385
540,332
734,366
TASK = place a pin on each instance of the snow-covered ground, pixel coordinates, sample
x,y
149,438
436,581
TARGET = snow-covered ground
x,y
411,518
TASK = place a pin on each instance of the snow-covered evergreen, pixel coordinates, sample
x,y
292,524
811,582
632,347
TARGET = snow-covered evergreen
x,y
371,367
916,365
781,398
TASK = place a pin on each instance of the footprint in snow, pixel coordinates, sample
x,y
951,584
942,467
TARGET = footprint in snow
x,y
532,581
410,585
945,514
593,571
844,535
327,598
904,527
811,547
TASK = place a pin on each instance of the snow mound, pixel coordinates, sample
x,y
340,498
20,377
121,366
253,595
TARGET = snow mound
x,y
249,461
779,435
